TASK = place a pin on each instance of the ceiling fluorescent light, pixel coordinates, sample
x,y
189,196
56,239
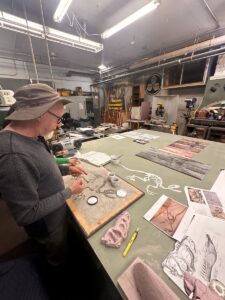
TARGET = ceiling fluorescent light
x,y
102,67
132,18
61,10
73,40
17,24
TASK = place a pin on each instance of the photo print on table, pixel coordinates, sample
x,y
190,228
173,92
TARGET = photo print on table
x,y
170,216
185,147
205,202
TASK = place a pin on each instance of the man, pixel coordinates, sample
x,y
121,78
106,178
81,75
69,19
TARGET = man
x,y
30,180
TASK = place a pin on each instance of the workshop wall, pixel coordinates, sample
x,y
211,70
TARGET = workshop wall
x,y
183,93
20,73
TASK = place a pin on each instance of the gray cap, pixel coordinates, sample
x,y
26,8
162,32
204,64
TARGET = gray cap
x,y
33,100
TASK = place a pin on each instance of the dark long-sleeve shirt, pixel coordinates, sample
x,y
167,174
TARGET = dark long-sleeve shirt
x,y
31,183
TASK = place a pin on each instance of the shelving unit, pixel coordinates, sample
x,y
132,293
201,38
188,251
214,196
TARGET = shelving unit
x,y
196,131
138,92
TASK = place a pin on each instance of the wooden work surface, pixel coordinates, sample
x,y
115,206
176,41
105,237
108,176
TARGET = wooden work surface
x,y
98,184
151,244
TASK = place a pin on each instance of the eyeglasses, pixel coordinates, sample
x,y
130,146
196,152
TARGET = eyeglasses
x,y
59,119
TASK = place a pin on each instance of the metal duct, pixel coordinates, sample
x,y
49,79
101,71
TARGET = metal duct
x,y
207,54
181,52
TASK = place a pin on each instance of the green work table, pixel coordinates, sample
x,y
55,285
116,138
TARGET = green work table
x,y
151,244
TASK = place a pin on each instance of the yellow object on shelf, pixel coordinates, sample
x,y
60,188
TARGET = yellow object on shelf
x,y
65,93
174,128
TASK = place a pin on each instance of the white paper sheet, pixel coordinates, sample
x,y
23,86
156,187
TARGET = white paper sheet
x,y
219,187
96,158
138,135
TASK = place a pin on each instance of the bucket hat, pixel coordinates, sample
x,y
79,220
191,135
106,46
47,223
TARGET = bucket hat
x,y
33,100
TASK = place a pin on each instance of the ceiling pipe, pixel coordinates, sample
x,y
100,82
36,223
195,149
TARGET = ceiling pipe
x,y
127,65
77,73
46,44
30,42
184,51
211,13
195,57
28,59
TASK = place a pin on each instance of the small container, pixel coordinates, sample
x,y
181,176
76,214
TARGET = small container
x,y
113,179
115,159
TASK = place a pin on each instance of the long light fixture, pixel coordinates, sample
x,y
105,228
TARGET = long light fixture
x,y
130,19
14,23
72,40
17,24
61,10
102,67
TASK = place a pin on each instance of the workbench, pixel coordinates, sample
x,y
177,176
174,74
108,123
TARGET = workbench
x,y
151,244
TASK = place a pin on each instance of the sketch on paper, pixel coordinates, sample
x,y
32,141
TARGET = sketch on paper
x,y
170,216
154,180
205,202
181,259
181,164
185,147
209,259
201,253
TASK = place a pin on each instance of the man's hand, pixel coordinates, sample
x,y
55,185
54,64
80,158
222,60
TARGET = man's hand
x,y
76,171
73,161
77,186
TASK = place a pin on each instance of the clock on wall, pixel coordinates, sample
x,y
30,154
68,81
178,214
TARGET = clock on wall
x,y
153,84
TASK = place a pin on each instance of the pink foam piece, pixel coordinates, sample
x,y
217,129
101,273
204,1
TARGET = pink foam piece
x,y
140,282
200,290
149,285
116,234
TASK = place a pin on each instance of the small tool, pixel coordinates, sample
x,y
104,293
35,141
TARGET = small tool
x,y
131,241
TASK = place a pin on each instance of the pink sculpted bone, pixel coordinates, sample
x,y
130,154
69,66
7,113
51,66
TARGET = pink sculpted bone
x,y
116,234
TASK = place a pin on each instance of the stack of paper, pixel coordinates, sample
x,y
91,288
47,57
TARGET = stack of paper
x,y
96,158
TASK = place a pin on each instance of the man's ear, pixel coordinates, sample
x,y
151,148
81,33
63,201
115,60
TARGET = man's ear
x,y
41,116
39,119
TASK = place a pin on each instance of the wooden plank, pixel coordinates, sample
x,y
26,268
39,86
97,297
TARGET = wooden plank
x,y
93,217
187,166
